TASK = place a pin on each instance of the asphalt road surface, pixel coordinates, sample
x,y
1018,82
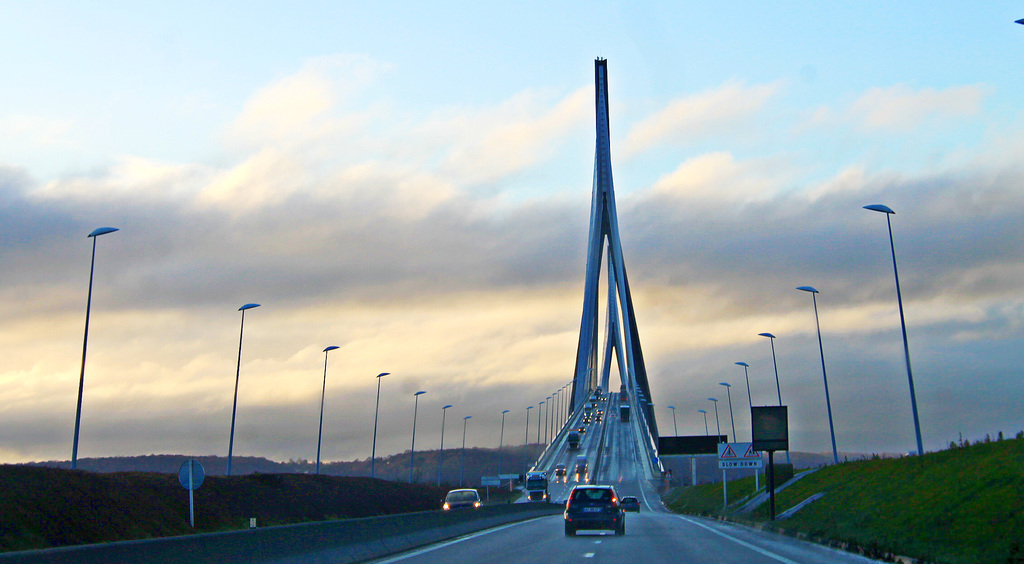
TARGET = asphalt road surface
x,y
653,535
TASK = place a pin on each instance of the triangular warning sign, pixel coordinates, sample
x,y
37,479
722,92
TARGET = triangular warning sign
x,y
751,453
728,452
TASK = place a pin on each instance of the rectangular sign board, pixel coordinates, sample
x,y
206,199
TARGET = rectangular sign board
x,y
693,445
738,455
490,481
770,427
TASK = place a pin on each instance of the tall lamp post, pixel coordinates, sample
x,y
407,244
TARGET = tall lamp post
x,y
501,439
828,400
440,453
376,410
718,426
238,370
528,408
412,449
903,323
320,433
547,421
778,389
540,418
462,464
705,412
674,428
728,391
85,341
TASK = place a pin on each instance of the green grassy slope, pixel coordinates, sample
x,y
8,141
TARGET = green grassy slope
x,y
46,507
963,505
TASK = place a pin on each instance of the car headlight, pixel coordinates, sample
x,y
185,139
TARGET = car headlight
x,y
476,504
445,506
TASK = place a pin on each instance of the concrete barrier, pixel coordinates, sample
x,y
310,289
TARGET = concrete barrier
x,y
349,540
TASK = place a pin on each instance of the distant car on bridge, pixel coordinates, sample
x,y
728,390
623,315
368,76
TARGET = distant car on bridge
x,y
630,504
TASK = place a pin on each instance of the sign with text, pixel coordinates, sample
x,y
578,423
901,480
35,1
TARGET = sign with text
x,y
770,426
738,455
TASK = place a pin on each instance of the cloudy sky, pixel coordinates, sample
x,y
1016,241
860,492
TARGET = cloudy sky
x,y
412,184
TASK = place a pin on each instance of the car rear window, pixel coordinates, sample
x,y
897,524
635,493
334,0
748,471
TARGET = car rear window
x,y
592,494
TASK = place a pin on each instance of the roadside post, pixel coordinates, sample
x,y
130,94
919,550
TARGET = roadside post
x,y
191,476
770,431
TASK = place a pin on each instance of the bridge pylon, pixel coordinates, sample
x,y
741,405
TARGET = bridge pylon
x,y
621,336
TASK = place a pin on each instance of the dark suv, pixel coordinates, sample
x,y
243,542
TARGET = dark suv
x,y
594,507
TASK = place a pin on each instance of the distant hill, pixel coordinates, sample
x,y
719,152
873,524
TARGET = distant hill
x,y
478,462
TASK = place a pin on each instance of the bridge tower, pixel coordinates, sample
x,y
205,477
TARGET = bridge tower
x,y
621,336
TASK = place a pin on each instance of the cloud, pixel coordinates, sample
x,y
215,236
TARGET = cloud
x,y
494,142
901,109
303,106
685,121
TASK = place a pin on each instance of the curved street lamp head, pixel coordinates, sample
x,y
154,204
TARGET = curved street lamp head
x,y
769,335
726,384
529,407
702,411
419,393
743,364
879,208
383,374
467,417
445,407
331,348
670,406
102,231
1020,21
713,399
248,306
808,289
505,411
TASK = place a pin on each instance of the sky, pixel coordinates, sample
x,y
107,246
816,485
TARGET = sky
x,y
411,182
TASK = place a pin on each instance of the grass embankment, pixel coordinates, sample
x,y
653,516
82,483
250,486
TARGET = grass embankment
x,y
48,507
963,505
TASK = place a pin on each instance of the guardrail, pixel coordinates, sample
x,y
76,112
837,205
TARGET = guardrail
x,y
350,540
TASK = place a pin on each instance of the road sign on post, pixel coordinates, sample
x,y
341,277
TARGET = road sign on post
x,y
191,476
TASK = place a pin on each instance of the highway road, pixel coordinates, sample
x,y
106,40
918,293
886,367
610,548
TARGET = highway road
x,y
653,535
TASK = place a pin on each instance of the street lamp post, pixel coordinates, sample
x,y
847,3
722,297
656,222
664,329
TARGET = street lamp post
x,y
821,350
376,410
238,370
412,449
501,439
540,418
528,408
718,425
728,391
85,341
903,323
705,412
674,428
778,389
462,464
320,433
547,421
746,377
440,453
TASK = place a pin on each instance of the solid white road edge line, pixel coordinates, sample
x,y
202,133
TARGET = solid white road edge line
x,y
443,544
739,542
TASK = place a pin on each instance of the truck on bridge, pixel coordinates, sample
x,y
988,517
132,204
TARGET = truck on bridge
x,y
537,486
